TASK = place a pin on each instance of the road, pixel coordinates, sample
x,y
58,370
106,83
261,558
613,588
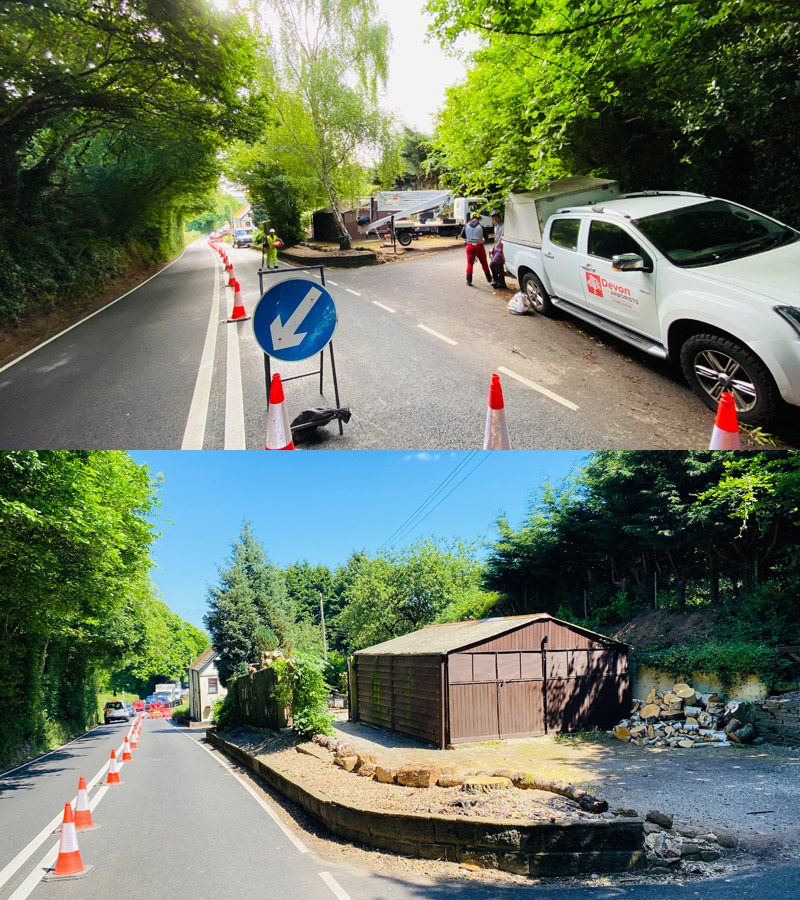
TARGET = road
x,y
184,825
415,349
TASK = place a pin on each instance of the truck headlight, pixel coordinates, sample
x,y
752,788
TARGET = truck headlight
x,y
791,314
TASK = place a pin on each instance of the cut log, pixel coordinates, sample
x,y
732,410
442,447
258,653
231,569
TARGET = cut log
x,y
687,745
651,732
621,732
650,711
684,691
743,735
733,725
583,798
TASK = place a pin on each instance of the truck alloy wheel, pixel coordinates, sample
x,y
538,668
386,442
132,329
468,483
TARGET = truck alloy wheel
x,y
404,238
534,289
713,364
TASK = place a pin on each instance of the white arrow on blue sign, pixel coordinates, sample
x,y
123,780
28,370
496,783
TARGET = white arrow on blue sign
x,y
294,320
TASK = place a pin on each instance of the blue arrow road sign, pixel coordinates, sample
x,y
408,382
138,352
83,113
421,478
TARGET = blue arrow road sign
x,y
294,319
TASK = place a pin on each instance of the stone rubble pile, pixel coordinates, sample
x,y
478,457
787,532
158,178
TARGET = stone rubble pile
x,y
685,718
680,847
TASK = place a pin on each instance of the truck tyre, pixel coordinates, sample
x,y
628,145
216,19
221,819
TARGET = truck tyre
x,y
404,238
713,364
534,290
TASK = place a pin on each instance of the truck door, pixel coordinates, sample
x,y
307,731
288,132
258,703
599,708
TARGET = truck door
x,y
628,298
562,261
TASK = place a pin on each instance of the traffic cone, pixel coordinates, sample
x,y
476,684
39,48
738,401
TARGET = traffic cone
x,y
83,815
228,265
238,314
725,435
69,863
113,774
279,432
126,750
231,280
496,435
134,738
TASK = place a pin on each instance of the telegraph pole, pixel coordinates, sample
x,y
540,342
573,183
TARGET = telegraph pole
x,y
324,636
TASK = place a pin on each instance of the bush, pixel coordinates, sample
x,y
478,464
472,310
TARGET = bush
x,y
226,711
181,713
301,687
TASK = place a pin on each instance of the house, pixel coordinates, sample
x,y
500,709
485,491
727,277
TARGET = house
x,y
491,679
243,218
204,685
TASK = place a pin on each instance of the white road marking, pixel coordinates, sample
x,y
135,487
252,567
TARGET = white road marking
x,y
387,308
334,885
260,800
537,387
234,401
36,876
334,283
436,334
355,293
198,411
86,318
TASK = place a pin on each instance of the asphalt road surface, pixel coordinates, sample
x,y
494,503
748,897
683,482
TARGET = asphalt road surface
x,y
415,349
183,826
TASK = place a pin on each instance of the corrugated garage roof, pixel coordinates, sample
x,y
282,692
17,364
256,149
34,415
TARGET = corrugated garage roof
x,y
449,636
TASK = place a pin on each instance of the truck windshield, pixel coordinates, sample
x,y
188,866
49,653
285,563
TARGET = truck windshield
x,y
713,232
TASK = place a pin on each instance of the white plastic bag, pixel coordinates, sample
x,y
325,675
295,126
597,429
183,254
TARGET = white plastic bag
x,y
519,304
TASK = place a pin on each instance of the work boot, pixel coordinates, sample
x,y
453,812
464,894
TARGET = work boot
x,y
469,282
489,278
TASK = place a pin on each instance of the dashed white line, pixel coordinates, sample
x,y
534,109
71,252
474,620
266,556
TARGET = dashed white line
x,y
537,387
436,334
334,885
387,308
195,431
97,312
334,283
260,800
351,291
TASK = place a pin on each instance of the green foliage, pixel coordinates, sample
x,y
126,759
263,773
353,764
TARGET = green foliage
x,y
398,591
226,712
249,611
655,94
334,671
302,688
75,536
181,714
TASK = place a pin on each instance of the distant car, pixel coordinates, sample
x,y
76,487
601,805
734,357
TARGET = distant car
x,y
149,700
242,238
138,706
115,711
130,710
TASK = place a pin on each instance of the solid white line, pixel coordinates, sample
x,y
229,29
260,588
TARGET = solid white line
x,y
387,308
260,800
436,334
234,401
537,387
334,885
12,867
90,316
349,291
198,411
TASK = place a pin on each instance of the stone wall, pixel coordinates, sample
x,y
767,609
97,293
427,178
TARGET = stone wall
x,y
748,688
778,720
566,848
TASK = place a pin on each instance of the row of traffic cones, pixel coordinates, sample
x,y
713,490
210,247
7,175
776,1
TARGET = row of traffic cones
x,y
238,314
69,863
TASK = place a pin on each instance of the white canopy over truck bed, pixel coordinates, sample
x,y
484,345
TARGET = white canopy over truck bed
x,y
527,212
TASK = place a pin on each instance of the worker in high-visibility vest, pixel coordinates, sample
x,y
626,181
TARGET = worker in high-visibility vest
x,y
272,242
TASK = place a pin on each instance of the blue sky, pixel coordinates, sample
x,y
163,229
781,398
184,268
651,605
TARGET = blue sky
x,y
322,506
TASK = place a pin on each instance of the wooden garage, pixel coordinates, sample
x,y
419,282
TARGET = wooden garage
x,y
491,679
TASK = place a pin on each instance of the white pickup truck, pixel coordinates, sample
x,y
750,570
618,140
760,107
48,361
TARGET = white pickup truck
x,y
682,276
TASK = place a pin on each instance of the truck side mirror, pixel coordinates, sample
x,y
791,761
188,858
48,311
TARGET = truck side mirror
x,y
629,262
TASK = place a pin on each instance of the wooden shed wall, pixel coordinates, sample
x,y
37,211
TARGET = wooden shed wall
x,y
400,693
497,689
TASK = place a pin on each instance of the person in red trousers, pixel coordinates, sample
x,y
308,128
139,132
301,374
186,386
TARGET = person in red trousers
x,y
476,239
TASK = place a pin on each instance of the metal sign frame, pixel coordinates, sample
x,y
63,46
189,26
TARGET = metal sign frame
x,y
329,346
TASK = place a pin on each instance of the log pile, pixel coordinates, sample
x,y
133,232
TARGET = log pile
x,y
685,718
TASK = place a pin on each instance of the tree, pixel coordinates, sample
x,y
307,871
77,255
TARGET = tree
x,y
248,611
399,591
655,94
75,536
327,59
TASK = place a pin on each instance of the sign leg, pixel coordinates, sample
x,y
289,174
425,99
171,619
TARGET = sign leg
x,y
335,384
321,367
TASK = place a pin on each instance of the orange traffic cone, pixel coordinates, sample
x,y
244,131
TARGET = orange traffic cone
x,y
725,435
496,435
228,265
113,774
279,432
69,863
134,738
231,280
238,314
126,750
83,815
